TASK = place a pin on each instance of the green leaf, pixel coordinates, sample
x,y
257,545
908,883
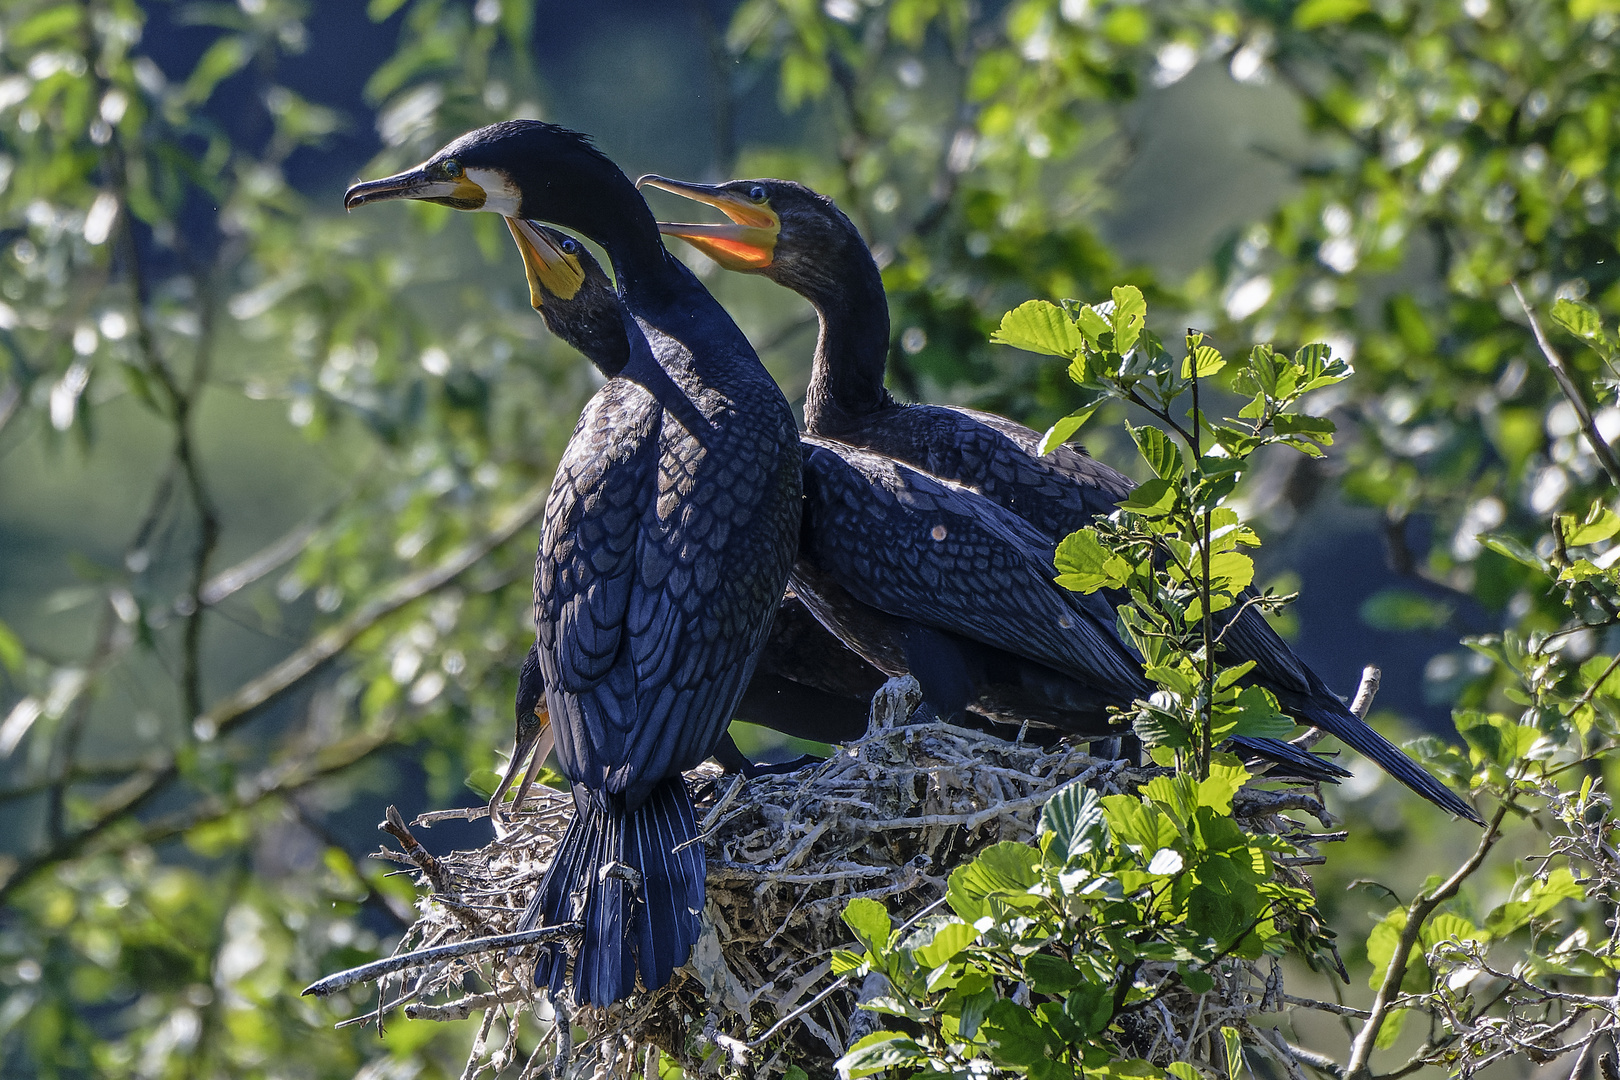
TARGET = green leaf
x,y
1255,715
1091,1007
1007,867
1319,428
1594,668
1533,901
1209,361
1162,455
1382,943
52,23
1128,317
939,940
1579,318
1074,817
1515,550
1152,498
870,922
1493,737
1405,610
1196,980
880,1051
1062,431
1039,326
1600,524
1216,790
1314,13
1092,324
1181,1070
1051,974
1234,1051
1139,825
1084,565
1017,1038
844,961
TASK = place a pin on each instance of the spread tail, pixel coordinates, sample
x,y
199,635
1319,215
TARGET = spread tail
x,y
620,875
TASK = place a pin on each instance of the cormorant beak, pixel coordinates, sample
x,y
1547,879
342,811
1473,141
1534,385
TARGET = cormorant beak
x,y
747,244
459,193
549,268
534,745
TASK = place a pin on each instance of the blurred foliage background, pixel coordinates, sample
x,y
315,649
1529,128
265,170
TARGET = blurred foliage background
x,y
269,474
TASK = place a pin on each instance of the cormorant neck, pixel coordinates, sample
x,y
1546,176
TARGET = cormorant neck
x,y
618,218
846,379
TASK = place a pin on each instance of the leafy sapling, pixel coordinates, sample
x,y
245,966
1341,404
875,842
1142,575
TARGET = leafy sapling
x,y
1174,548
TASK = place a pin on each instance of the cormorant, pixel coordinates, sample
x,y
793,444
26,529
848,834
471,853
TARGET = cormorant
x,y
928,578
799,239
807,684
668,535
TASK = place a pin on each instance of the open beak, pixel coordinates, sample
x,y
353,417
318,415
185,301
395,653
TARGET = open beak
x,y
460,193
533,745
549,268
748,243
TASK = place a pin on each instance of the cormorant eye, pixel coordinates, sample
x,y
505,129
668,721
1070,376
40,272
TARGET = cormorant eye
x,y
452,168
758,193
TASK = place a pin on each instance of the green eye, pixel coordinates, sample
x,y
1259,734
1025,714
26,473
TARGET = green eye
x,y
452,168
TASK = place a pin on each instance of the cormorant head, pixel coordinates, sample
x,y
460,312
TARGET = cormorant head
x,y
571,291
778,228
532,737
519,169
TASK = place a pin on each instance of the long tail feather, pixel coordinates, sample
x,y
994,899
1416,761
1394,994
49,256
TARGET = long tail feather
x,y
637,897
1327,712
1290,759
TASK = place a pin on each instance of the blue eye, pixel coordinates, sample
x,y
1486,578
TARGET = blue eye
x,y
569,247
452,168
757,193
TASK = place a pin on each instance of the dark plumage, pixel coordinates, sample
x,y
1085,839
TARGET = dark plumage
x,y
800,240
926,577
807,683
668,535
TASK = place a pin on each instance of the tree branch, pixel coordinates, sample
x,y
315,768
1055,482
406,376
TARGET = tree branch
x,y
1572,393
1417,913
129,797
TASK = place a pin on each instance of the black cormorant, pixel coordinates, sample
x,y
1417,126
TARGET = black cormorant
x,y
800,240
929,578
807,684
669,532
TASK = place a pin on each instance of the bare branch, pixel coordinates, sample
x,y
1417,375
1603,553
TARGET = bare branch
x,y
422,957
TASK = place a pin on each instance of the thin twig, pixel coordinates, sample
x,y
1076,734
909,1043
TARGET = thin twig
x,y
422,957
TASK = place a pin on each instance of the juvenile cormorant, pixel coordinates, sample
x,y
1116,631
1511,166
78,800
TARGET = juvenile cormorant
x,y
667,540
929,578
800,240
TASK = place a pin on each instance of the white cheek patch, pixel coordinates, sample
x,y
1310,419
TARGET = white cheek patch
x,y
499,194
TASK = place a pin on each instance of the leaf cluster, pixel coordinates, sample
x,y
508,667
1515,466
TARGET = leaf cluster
x,y
1175,549
1122,901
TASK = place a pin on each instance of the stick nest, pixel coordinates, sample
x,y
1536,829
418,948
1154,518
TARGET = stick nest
x,y
888,817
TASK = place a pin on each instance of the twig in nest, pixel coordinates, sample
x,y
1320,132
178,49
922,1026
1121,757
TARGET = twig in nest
x,y
1361,704
387,966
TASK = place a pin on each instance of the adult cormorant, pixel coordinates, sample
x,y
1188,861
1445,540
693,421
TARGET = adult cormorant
x,y
807,684
668,536
800,240
926,577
